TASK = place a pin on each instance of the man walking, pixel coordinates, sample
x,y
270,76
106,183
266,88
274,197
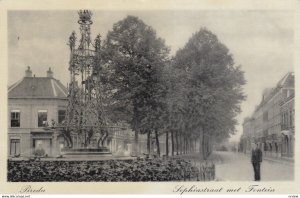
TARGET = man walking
x,y
256,159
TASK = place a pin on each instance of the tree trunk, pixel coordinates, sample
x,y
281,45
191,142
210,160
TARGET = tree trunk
x,y
148,141
177,142
184,145
188,145
201,144
204,147
172,140
167,143
180,143
157,142
192,145
136,151
136,143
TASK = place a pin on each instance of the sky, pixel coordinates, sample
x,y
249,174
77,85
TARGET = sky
x,y
260,41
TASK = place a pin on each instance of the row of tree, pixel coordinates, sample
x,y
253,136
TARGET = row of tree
x,y
192,98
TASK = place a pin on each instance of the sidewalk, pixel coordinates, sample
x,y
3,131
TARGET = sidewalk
x,y
238,167
284,160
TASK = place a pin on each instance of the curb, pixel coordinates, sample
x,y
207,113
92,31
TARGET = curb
x,y
278,160
287,162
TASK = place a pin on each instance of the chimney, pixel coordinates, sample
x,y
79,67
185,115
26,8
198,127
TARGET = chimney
x,y
49,73
28,72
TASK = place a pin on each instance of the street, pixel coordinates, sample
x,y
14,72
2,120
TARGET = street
x,y
232,166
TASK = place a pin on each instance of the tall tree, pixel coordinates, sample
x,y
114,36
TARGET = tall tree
x,y
212,86
136,56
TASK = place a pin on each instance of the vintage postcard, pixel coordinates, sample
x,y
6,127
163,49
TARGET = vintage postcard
x,y
149,97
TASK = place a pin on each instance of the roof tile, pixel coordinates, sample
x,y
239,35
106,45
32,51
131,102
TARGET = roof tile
x,y
38,87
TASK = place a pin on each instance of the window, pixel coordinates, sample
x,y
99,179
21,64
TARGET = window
x,y
15,118
288,93
61,116
14,147
284,120
42,118
265,116
292,117
265,132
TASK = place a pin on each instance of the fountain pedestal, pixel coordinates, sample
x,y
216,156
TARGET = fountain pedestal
x,y
85,152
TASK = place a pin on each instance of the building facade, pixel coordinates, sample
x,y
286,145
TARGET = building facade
x,y
34,103
248,135
271,125
287,112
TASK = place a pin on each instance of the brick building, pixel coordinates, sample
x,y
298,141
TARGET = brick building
x,y
272,123
287,112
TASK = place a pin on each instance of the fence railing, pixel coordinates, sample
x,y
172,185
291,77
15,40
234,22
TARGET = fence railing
x,y
202,170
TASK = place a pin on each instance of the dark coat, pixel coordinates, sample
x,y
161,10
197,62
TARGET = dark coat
x,y
256,156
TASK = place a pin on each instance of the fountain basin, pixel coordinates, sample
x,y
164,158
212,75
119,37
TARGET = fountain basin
x,y
85,152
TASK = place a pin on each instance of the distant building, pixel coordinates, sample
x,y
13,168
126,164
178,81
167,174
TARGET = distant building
x,y
272,123
248,134
287,112
33,102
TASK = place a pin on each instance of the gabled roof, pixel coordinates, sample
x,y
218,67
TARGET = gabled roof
x,y
38,87
287,81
